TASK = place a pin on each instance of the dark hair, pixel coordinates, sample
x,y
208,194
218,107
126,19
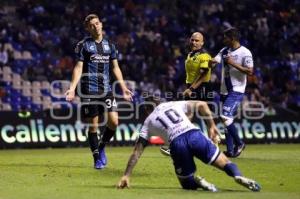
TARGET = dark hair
x,y
89,18
232,33
150,102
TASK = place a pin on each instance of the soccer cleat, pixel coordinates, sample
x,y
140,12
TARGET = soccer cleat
x,y
98,164
229,154
238,150
205,185
165,150
248,183
102,156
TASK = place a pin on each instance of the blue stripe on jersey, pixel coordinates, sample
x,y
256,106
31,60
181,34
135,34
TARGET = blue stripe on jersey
x,y
228,83
92,70
106,49
106,79
227,78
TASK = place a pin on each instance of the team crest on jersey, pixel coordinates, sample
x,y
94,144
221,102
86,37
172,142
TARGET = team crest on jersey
x,y
106,47
235,57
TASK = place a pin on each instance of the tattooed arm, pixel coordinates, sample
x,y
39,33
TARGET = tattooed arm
x,y
136,154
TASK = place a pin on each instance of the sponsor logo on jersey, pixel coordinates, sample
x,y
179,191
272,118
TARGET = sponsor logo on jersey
x,y
92,48
96,58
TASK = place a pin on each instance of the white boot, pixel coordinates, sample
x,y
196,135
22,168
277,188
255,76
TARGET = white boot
x,y
248,183
205,185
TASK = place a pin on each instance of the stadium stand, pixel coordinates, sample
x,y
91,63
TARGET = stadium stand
x,y
37,40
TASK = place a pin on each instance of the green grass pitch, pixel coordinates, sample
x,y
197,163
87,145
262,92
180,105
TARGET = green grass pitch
x,y
68,173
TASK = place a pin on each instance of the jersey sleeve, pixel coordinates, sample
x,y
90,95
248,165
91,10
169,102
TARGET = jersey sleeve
x,y
114,52
79,51
144,132
204,60
248,59
218,57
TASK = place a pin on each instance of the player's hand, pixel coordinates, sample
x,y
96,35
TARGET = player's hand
x,y
212,63
187,93
213,134
127,94
229,60
216,140
124,182
70,95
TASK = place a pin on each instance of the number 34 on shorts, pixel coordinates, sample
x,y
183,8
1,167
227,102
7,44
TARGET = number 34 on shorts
x,y
110,103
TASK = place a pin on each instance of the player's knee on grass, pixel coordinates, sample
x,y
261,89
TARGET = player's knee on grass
x,y
188,182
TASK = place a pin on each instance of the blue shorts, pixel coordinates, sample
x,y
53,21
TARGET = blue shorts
x,y
231,103
189,145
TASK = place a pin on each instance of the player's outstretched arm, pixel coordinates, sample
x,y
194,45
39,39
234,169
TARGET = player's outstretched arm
x,y
212,63
206,114
77,72
136,154
127,94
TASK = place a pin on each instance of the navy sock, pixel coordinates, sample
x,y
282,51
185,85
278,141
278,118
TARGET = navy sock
x,y
229,142
233,132
106,137
93,141
232,170
188,183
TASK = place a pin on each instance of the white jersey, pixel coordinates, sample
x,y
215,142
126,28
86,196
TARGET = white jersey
x,y
168,120
232,78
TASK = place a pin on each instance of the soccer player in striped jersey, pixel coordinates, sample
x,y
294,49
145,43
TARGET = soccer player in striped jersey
x,y
237,63
96,60
169,121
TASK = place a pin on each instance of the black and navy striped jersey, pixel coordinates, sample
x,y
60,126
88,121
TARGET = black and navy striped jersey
x,y
97,64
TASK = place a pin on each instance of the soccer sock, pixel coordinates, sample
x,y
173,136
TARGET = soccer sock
x,y
107,135
232,170
233,132
93,141
188,183
229,142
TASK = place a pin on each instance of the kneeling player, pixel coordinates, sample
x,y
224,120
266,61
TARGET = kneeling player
x,y
186,141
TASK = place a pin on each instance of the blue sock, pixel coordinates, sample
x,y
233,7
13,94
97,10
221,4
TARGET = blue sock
x,y
188,183
229,142
232,170
233,132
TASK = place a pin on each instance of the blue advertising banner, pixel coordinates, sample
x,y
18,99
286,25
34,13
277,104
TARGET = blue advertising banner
x,y
40,130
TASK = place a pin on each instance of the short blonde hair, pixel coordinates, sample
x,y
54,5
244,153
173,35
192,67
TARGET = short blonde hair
x,y
89,18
